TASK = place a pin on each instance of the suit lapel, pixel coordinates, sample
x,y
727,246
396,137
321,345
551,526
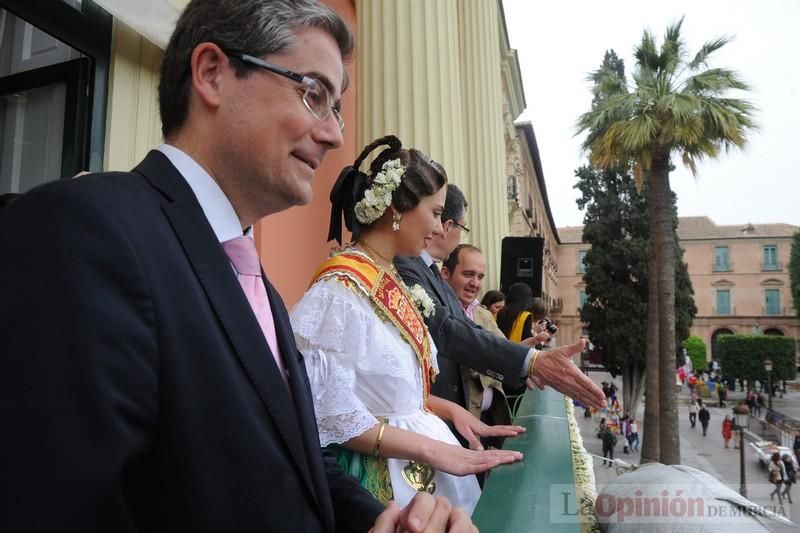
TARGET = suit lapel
x,y
432,281
213,270
301,395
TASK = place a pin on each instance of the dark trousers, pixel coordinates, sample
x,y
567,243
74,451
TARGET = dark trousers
x,y
693,418
608,452
705,427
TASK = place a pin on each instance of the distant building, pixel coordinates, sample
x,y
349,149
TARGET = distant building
x,y
739,274
529,213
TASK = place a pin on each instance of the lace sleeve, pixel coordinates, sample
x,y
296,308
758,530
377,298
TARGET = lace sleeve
x,y
338,320
340,414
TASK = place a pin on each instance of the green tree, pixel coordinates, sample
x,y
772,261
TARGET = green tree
x,y
675,105
696,350
615,225
794,272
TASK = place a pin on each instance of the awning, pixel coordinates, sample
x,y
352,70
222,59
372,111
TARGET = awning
x,y
153,19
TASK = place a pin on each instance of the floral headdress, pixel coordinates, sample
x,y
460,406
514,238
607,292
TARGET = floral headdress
x,y
359,198
378,197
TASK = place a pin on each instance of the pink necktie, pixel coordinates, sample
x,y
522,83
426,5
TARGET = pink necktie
x,y
242,253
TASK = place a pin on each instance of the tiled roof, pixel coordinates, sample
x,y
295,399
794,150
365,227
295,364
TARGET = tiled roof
x,y
697,228
700,228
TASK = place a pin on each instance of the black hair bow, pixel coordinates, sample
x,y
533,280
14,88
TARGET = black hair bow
x,y
344,195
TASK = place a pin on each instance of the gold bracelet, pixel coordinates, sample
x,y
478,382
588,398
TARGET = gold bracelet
x,y
377,451
532,364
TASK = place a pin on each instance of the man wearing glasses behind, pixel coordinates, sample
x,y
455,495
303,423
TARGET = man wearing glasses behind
x,y
462,345
149,379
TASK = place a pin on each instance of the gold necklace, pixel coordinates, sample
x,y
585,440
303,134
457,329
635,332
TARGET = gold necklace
x,y
370,250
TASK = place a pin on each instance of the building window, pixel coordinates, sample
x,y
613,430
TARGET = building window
x,y
721,259
772,302
582,261
770,258
54,60
512,187
581,298
723,302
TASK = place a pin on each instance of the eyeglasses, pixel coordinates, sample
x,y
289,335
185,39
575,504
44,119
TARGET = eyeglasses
x,y
316,97
462,226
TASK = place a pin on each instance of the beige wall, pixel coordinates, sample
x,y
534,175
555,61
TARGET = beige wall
x,y
133,124
570,282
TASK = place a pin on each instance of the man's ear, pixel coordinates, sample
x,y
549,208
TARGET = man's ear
x,y
208,65
447,225
445,273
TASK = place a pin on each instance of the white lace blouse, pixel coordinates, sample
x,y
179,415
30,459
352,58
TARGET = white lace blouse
x,y
359,366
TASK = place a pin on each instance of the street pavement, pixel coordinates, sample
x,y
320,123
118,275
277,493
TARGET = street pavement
x,y
704,453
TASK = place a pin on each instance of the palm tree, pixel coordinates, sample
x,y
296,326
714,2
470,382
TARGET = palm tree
x,y
675,106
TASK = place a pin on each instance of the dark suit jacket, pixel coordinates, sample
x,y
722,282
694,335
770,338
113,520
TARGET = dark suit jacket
x,y
137,392
460,342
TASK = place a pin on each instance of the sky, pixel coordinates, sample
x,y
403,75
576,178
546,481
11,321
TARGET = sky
x,y
560,43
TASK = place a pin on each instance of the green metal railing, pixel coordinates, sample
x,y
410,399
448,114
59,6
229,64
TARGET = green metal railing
x,y
538,493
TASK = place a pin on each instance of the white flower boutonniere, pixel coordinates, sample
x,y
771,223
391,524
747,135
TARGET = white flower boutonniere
x,y
379,196
422,301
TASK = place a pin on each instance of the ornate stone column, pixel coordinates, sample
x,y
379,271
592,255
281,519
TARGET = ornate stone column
x,y
484,179
409,77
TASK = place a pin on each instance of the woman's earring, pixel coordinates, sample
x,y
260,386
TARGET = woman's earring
x,y
396,221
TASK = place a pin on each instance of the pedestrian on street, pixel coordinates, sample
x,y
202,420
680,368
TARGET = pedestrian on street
x,y
693,412
796,447
760,403
704,416
751,400
721,393
777,473
727,427
633,438
791,476
609,441
624,430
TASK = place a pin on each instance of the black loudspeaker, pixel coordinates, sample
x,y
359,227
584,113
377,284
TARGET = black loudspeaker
x,y
521,262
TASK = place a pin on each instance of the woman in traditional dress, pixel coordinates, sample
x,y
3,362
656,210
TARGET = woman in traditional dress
x,y
369,356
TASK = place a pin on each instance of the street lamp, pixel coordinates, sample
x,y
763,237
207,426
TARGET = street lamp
x,y
741,415
768,368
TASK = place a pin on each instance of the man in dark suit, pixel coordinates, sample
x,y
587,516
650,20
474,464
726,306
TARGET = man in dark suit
x,y
462,344
137,392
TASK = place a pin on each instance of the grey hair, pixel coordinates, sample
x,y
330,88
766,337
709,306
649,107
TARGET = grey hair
x,y
256,27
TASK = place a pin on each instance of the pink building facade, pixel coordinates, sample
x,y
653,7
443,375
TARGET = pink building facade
x,y
739,274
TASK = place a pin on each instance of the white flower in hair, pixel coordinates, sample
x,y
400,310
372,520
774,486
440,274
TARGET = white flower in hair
x,y
422,300
379,196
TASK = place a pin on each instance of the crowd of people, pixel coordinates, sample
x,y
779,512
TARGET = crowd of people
x,y
155,380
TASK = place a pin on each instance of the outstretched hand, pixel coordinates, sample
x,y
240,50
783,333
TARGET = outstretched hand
x,y
472,429
556,369
424,514
458,461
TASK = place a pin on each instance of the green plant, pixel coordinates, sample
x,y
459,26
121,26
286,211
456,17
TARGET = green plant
x,y
696,350
743,356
